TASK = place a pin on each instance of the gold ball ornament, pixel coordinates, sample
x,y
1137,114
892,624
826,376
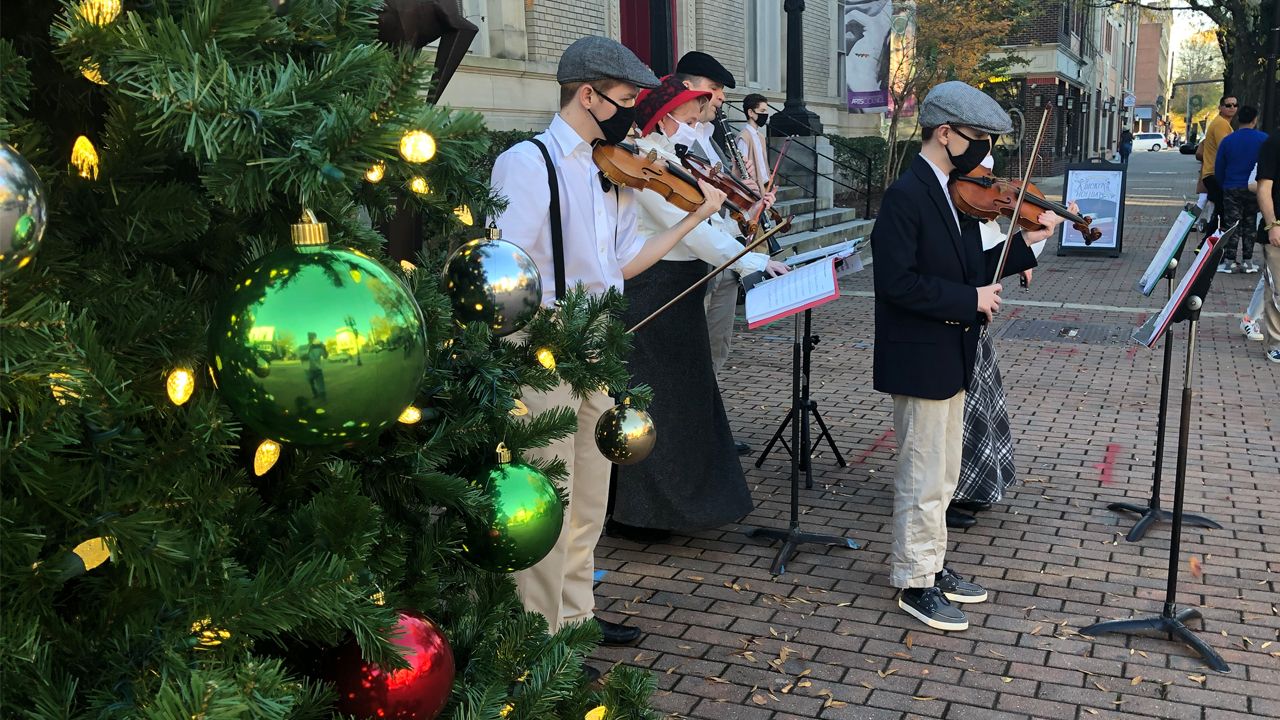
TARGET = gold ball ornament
x,y
494,282
625,435
23,213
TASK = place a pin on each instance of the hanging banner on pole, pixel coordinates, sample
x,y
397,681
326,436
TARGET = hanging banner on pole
x,y
867,25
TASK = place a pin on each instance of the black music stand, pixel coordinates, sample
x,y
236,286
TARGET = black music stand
x,y
1152,513
793,537
808,406
1172,621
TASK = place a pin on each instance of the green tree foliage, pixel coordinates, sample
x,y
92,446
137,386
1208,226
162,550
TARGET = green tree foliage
x,y
216,122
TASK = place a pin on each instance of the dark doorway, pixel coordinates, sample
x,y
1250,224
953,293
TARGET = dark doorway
x,y
649,30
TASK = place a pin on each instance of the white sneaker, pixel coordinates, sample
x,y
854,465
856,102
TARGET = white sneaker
x,y
1251,330
1273,356
1224,267
1250,267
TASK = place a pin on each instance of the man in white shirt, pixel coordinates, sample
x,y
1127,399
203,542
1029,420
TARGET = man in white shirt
x,y
752,142
700,71
593,241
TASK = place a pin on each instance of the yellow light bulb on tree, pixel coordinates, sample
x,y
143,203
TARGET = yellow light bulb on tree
x,y
100,12
463,213
60,387
420,186
84,156
545,358
375,172
417,146
597,713
410,415
180,384
265,457
92,72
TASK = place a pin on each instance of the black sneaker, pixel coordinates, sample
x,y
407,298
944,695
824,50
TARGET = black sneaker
x,y
930,607
957,589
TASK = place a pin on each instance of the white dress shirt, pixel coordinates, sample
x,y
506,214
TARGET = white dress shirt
x,y
600,234
759,173
712,241
946,193
704,131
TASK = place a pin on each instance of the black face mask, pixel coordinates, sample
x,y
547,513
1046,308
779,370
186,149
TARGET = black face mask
x,y
972,157
762,119
615,129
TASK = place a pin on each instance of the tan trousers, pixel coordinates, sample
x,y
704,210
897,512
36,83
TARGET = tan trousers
x,y
930,434
721,304
560,586
1269,318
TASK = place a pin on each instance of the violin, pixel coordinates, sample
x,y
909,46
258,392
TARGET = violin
x,y
982,195
625,164
736,191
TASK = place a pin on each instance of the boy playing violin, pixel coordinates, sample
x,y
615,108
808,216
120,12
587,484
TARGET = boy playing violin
x,y
933,292
583,232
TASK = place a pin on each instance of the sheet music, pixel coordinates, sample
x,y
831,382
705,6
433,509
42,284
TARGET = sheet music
x,y
802,288
1169,248
1150,331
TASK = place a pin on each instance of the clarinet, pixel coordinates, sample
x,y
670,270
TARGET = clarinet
x,y
740,168
731,145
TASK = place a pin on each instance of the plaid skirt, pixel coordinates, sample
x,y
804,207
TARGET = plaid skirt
x,y
986,467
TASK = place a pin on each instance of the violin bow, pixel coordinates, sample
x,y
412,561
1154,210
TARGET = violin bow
x,y
760,238
1022,193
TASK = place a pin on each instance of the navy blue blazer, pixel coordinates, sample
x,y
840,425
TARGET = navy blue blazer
x,y
926,278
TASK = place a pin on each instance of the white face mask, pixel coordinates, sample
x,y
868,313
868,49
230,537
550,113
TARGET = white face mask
x,y
684,134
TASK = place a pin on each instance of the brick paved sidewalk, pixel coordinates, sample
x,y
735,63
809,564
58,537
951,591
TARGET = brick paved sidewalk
x,y
727,640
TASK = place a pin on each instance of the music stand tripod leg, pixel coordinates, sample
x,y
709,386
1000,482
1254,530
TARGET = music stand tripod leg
x,y
1170,621
792,537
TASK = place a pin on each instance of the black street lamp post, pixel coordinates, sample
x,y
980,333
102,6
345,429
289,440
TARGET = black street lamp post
x,y
795,118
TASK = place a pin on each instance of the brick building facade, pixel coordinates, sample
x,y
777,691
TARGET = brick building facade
x,y
1152,82
1081,63
509,75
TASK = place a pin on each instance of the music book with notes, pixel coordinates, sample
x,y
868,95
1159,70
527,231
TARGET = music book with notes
x,y
803,288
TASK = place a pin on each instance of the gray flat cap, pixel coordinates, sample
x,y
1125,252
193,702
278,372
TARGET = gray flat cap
x,y
596,58
957,103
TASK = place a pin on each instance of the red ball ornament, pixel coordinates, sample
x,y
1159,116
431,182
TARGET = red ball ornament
x,y
418,692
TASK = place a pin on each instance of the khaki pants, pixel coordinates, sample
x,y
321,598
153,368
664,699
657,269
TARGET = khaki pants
x,y
930,437
1269,318
721,303
561,585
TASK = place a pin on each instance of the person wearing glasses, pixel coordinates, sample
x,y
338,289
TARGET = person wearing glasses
x,y
1207,153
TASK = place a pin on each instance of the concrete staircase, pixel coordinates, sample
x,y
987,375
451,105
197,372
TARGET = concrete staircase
x,y
809,231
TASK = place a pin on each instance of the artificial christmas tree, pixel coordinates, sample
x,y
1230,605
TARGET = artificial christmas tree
x,y
173,549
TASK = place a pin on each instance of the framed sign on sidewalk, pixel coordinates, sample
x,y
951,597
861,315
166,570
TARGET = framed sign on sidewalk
x,y
1099,189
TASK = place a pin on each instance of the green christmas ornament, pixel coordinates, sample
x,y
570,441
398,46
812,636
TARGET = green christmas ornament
x,y
494,282
22,210
521,523
316,345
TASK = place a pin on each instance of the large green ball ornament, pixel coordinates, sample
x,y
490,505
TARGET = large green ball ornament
x,y
625,435
22,210
494,282
316,345
522,521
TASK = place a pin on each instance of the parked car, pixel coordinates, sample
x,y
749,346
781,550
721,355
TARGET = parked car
x,y
1189,148
1150,141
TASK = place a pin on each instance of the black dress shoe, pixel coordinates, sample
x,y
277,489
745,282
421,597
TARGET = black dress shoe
x,y
959,521
742,448
615,634
971,506
640,535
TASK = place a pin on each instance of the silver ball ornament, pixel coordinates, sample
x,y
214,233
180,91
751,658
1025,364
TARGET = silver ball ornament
x,y
625,435
23,215
494,282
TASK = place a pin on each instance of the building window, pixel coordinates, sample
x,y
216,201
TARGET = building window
x,y
477,11
764,44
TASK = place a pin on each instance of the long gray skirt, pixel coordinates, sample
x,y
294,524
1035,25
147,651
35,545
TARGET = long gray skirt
x,y
692,480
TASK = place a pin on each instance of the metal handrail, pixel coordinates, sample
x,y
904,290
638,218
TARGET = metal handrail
x,y
865,171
